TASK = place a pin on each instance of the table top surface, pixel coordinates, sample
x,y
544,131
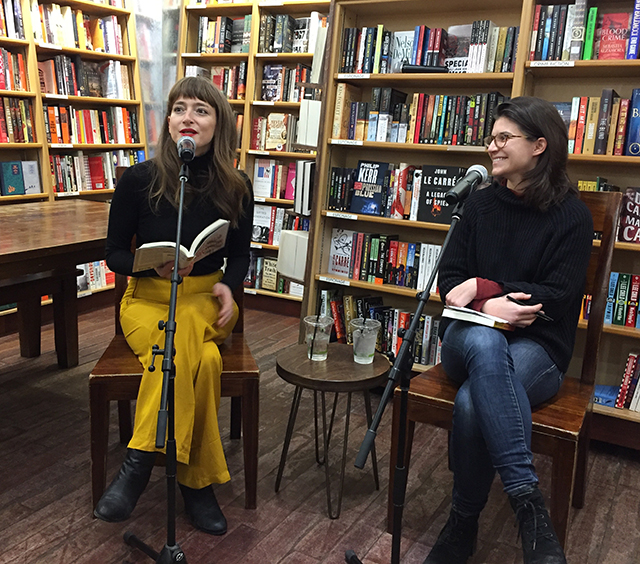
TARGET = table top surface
x,y
339,373
39,228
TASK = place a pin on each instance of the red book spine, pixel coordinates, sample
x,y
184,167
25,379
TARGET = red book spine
x,y
272,224
393,261
419,118
404,318
582,118
358,257
534,33
337,321
626,379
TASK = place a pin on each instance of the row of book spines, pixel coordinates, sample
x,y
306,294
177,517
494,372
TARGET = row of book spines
x,y
629,393
605,125
263,275
75,77
342,309
11,23
70,125
16,121
231,80
216,35
95,275
270,221
573,32
622,300
282,33
13,74
74,173
67,27
600,184
281,179
275,132
280,83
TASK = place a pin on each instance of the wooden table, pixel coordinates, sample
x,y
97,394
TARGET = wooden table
x,y
40,246
338,374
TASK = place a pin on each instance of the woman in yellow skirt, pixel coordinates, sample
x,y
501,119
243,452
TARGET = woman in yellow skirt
x,y
145,206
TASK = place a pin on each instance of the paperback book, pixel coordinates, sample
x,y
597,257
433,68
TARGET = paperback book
x,y
367,188
478,317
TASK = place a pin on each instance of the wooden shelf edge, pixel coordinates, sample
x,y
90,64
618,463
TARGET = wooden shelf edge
x,y
616,413
23,198
17,94
259,292
385,288
419,147
89,100
386,220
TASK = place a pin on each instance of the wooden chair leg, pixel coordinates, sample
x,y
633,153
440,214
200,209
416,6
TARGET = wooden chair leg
x,y
29,322
562,480
236,417
99,409
124,421
250,427
65,322
580,484
395,428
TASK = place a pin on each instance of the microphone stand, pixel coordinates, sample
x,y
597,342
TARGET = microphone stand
x,y
171,553
401,372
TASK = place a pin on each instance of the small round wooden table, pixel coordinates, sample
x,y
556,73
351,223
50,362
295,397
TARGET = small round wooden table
x,y
338,374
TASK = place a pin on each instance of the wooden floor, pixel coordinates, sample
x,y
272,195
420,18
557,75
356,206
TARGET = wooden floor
x,y
45,513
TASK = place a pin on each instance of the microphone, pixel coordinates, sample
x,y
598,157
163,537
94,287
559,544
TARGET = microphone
x,y
476,174
187,149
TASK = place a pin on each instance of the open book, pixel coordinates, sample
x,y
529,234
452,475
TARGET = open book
x,y
209,240
478,317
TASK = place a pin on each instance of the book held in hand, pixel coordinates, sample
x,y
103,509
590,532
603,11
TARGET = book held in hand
x,y
478,317
211,239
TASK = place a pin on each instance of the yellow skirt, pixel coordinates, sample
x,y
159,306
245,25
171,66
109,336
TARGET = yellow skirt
x,y
198,367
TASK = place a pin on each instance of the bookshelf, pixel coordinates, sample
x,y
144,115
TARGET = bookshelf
x,y
37,47
554,82
252,105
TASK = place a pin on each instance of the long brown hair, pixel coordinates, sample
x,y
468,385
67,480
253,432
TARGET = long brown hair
x,y
222,184
548,182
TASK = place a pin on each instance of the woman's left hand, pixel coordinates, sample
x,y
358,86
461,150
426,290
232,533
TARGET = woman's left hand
x,y
463,294
225,298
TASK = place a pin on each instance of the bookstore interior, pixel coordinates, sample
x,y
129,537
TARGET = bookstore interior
x,y
354,119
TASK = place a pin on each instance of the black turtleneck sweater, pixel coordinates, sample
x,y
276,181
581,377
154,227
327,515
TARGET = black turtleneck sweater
x,y
544,254
131,214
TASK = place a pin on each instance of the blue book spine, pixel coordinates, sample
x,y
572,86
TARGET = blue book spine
x,y
611,297
141,155
443,120
425,45
634,33
416,38
632,147
547,36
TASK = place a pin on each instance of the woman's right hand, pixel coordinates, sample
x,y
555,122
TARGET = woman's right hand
x,y
463,294
166,269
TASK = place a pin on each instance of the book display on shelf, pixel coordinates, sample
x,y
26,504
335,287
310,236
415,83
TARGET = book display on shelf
x,y
448,116
77,101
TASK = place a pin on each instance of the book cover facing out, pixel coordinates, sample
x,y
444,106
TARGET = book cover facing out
x,y
629,230
340,253
436,182
367,188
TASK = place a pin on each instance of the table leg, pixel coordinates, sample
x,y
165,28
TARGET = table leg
x,y
315,424
65,321
335,515
29,323
287,439
374,458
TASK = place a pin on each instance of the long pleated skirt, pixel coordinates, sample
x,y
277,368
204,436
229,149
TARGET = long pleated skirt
x,y
198,364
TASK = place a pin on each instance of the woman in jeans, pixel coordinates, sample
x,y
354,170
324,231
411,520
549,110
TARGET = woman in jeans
x,y
527,236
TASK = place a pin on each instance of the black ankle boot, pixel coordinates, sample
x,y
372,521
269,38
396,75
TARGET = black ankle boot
x,y
203,510
540,545
456,542
119,499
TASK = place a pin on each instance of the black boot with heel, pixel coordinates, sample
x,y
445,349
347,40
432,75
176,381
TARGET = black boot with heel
x,y
456,542
203,510
540,544
120,498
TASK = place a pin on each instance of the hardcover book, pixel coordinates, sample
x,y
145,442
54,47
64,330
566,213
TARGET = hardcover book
x,y
367,188
632,145
436,182
402,49
613,34
457,52
340,251
629,230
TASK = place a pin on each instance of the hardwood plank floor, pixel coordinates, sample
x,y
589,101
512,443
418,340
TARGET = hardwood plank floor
x,y
45,508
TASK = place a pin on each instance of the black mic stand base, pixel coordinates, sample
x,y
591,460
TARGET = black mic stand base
x,y
351,558
169,555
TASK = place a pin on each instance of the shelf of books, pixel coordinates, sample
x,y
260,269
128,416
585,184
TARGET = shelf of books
x,y
395,138
75,65
261,55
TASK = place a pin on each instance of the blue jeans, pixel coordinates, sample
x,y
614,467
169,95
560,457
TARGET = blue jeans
x,y
501,377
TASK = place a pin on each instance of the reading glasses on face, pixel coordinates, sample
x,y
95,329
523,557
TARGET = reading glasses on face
x,y
500,140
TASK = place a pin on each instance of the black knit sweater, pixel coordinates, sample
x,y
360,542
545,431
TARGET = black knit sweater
x,y
544,254
131,214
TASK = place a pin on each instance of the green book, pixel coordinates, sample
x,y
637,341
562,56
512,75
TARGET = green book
x,y
590,34
622,293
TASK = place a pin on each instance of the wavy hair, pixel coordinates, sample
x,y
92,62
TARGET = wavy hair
x,y
547,183
221,182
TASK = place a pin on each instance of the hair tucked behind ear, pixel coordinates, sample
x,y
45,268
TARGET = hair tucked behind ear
x,y
547,183
223,184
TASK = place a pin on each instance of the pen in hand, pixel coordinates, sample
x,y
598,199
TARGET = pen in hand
x,y
539,314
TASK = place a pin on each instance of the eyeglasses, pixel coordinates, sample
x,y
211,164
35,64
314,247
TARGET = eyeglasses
x,y
501,139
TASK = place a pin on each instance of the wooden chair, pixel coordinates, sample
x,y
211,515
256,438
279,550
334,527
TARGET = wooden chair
x,y
117,375
561,425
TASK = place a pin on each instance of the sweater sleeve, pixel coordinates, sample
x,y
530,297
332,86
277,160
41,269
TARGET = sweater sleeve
x,y
239,244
